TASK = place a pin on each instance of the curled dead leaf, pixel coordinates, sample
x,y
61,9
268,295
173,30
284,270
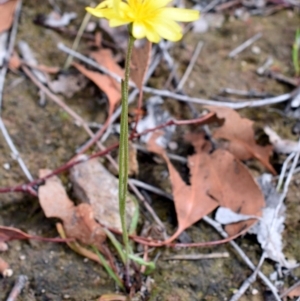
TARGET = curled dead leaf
x,y
79,222
240,134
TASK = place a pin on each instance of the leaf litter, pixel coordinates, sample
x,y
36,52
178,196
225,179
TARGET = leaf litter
x,y
215,187
217,179
241,139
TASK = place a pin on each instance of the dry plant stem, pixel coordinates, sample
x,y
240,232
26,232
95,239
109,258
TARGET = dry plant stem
x,y
190,66
246,259
198,256
2,80
15,153
248,281
239,104
18,287
243,46
75,45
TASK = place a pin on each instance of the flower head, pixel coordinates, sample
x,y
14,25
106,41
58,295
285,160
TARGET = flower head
x,y
149,18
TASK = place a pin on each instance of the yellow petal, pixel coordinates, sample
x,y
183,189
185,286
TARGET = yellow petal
x,y
138,30
95,12
116,5
151,34
168,29
117,22
179,14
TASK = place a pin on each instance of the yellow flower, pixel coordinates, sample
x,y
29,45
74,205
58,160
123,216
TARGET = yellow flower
x,y
149,18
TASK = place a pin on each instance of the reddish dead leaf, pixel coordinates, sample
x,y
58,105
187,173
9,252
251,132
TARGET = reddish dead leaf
x,y
105,58
9,233
139,64
79,222
217,179
240,134
105,83
7,10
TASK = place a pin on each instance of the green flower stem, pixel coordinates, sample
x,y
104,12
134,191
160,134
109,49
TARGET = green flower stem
x,y
123,149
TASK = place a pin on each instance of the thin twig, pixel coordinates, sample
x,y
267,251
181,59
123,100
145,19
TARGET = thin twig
x,y
248,281
151,188
198,256
15,153
190,66
3,72
18,287
243,46
246,259
239,104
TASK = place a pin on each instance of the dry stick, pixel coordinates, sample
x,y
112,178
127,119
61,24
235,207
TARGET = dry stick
x,y
190,66
198,256
249,263
243,46
17,289
151,188
248,281
164,46
239,104
3,72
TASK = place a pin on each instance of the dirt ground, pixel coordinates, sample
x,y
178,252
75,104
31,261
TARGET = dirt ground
x,y
46,137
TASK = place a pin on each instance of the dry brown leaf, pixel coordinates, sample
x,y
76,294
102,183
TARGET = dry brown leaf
x,y
105,83
217,179
105,58
7,10
240,134
79,222
139,64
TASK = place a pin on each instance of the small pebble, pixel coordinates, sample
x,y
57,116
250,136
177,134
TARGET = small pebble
x,y
22,257
7,273
173,145
6,166
255,49
254,291
66,296
85,260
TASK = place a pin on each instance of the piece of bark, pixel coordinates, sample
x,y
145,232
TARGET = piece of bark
x,y
95,185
